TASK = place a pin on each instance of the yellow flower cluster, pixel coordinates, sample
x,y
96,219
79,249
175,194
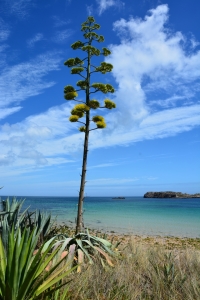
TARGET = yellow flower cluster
x,y
71,95
73,118
100,122
78,112
94,104
109,104
82,129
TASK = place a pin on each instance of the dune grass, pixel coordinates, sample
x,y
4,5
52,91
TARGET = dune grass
x,y
142,271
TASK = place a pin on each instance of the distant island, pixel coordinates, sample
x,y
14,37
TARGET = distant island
x,y
170,194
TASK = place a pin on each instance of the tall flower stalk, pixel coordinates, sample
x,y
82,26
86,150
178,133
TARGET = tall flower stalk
x,y
84,68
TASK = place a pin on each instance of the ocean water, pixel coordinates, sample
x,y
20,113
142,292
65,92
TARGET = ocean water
x,y
133,215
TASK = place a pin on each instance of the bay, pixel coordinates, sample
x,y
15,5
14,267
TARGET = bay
x,y
132,215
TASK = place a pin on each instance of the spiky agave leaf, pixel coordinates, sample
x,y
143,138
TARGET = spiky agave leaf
x,y
107,257
84,245
80,259
20,271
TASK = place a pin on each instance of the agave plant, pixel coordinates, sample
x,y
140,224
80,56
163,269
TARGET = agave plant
x,y
40,220
84,246
12,211
13,217
22,274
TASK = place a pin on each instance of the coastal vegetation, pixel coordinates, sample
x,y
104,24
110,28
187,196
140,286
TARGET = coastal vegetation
x,y
142,272
85,68
38,260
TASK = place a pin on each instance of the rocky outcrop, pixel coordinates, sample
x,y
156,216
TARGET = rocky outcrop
x,y
169,194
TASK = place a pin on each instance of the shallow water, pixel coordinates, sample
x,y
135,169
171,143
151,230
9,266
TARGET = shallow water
x,y
136,215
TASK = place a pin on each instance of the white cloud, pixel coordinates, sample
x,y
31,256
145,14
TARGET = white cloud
x,y
89,10
105,165
105,4
4,31
4,112
149,61
19,8
194,42
58,22
111,181
38,37
62,35
24,80
39,140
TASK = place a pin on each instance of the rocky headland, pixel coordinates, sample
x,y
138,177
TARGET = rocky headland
x,y
170,194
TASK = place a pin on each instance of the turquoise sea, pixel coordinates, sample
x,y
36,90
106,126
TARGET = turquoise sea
x,y
136,215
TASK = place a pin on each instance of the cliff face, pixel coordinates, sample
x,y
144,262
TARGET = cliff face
x,y
170,195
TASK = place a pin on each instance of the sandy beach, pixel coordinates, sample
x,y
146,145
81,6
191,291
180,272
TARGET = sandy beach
x,y
168,242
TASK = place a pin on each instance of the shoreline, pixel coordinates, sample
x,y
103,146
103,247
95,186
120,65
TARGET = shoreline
x,y
116,230
169,242
125,231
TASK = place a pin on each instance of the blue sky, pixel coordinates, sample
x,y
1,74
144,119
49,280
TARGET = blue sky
x,y
152,140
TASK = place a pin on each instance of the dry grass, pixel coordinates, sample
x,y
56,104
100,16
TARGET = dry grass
x,y
147,268
142,271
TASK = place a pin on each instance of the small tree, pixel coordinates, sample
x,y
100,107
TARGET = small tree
x,y
84,68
